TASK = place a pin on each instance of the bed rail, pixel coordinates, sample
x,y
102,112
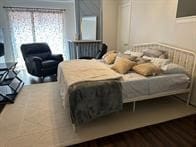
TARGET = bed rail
x,y
183,57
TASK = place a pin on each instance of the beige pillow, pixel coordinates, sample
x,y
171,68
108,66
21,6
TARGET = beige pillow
x,y
110,58
123,65
109,52
147,69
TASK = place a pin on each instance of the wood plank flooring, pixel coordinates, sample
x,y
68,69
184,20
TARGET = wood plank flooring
x,y
176,133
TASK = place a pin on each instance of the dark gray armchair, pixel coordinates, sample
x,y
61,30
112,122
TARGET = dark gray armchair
x,y
39,60
99,54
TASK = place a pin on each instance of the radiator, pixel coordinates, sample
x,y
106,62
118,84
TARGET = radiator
x,y
83,48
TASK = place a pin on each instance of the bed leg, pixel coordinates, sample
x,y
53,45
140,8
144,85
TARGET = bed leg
x,y
74,127
134,106
188,99
129,107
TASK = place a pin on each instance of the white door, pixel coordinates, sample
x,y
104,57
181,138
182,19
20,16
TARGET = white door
x,y
124,21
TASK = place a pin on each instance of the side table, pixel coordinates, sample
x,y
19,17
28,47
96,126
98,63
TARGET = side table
x,y
10,83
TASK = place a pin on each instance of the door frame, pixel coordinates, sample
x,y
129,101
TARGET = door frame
x,y
121,5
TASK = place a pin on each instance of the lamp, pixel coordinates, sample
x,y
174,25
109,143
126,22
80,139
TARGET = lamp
x,y
1,49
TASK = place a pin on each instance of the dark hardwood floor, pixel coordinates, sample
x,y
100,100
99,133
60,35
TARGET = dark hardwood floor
x,y
176,133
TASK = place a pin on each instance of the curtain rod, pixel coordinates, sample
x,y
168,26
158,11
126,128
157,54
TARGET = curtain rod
x,y
6,7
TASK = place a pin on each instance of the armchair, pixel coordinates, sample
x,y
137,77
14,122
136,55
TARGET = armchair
x,y
99,54
39,60
1,49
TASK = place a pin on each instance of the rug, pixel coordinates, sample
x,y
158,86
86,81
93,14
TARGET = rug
x,y
38,119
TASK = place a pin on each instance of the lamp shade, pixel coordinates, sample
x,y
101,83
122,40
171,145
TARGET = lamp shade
x,y
1,49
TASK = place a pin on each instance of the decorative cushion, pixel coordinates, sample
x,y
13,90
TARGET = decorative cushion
x,y
109,52
158,61
140,60
147,69
110,58
173,69
127,56
137,54
156,53
123,65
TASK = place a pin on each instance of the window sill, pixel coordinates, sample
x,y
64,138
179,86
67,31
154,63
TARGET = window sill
x,y
186,19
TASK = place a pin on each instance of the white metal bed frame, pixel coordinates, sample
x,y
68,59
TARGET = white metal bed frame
x,y
183,57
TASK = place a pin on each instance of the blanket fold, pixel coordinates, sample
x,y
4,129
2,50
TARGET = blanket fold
x,y
91,100
91,89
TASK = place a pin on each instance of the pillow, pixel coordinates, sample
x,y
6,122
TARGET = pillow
x,y
127,52
158,61
153,53
173,69
142,60
127,56
109,52
147,69
164,56
137,54
123,65
110,58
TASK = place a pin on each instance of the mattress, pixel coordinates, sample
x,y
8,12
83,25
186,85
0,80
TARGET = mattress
x,y
135,85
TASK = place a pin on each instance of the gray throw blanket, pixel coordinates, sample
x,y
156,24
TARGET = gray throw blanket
x,y
94,99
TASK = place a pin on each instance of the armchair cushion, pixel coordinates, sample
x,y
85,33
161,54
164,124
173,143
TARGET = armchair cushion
x,y
58,57
50,64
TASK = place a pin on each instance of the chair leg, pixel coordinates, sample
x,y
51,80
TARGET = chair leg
x,y
41,79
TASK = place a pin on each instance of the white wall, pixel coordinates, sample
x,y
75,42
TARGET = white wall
x,y
110,17
64,4
146,20
155,21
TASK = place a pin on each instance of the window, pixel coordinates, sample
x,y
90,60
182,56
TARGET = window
x,y
186,8
29,25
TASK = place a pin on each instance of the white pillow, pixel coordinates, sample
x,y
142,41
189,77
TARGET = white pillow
x,y
152,52
158,61
128,52
173,69
137,54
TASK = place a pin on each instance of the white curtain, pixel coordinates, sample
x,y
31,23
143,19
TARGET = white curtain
x,y
29,25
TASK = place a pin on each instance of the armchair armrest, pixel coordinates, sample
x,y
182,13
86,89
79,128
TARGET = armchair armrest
x,y
38,61
58,57
34,65
88,58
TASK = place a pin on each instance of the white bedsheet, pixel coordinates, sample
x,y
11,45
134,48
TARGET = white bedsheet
x,y
135,85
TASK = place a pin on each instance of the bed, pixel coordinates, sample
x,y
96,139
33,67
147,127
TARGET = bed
x,y
134,87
